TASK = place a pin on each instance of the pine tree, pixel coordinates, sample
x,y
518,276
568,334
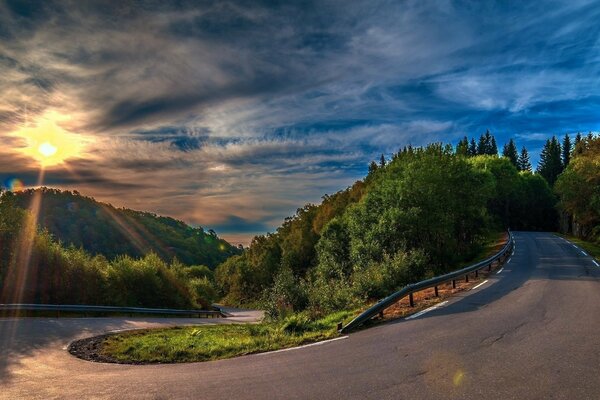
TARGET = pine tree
x,y
382,161
510,151
494,147
482,145
487,144
462,148
566,150
473,148
523,163
550,165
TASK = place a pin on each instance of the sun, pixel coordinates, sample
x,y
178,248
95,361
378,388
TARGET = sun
x,y
48,142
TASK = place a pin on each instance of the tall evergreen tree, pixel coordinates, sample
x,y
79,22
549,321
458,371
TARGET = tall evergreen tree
x,y
566,150
382,161
462,148
510,151
550,165
523,164
494,147
473,147
487,144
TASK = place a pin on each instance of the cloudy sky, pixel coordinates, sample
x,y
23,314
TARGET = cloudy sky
x,y
233,114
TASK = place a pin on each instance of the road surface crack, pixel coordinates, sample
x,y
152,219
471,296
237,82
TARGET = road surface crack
x,y
491,340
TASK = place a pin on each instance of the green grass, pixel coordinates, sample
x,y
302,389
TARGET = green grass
x,y
213,342
591,248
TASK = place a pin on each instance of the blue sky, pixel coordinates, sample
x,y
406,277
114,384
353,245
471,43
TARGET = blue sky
x,y
233,114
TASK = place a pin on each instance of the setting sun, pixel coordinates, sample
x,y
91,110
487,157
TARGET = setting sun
x,y
48,142
47,150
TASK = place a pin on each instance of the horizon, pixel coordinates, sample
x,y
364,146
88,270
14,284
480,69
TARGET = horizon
x,y
231,117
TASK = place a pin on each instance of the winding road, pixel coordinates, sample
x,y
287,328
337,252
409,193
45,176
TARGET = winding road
x,y
532,331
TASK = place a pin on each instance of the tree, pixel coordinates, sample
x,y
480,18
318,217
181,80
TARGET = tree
x,y
550,165
523,163
493,147
473,147
462,148
372,167
566,150
510,152
579,189
487,145
382,161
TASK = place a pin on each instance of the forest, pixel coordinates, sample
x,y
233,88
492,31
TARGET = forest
x,y
421,212
101,229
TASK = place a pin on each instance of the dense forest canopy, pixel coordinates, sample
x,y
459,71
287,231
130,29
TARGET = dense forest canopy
x,y
103,229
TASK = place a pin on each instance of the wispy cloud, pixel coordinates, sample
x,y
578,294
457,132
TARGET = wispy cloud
x,y
233,114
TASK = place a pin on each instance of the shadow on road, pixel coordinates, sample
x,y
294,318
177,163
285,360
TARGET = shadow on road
x,y
538,256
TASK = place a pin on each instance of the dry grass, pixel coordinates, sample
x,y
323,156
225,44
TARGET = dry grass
x,y
426,298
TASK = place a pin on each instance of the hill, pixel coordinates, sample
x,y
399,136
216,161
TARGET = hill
x,y
102,229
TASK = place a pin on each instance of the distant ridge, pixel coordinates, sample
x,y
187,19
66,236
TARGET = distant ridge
x,y
100,228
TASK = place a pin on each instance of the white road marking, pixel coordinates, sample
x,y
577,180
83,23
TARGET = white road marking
x,y
513,253
500,270
584,253
574,246
303,346
595,263
426,310
482,283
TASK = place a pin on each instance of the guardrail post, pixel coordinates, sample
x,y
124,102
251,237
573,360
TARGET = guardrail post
x,y
476,273
490,267
436,291
467,278
453,283
411,300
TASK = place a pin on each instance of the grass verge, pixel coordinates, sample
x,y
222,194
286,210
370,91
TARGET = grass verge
x,y
213,342
591,248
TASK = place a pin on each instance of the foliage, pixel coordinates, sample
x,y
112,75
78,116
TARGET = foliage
x,y
35,268
510,151
105,230
550,165
523,164
579,188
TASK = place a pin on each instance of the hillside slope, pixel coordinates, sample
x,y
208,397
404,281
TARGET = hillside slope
x,y
103,229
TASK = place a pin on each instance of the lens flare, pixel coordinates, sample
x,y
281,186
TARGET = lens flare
x,y
14,185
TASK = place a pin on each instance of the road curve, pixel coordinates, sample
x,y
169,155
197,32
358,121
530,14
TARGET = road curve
x,y
529,332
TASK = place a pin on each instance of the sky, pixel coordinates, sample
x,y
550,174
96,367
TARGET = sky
x,y
231,115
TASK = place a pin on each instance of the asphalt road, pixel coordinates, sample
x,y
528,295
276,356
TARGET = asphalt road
x,y
530,332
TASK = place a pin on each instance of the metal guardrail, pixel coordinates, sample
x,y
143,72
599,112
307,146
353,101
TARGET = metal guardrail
x,y
408,290
58,308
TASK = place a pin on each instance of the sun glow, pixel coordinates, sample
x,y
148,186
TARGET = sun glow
x,y
48,142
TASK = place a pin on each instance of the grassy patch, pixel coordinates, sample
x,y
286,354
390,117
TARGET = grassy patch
x,y
591,248
213,342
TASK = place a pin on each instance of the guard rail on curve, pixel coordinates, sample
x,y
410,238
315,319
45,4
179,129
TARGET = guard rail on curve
x,y
107,309
428,283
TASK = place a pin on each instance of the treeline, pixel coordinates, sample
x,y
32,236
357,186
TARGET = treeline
x,y
578,188
102,229
36,268
413,216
